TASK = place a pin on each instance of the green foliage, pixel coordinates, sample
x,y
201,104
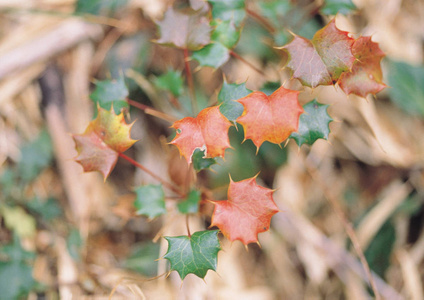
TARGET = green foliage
x,y
225,33
150,201
229,10
200,163
98,7
213,55
407,90
18,220
35,156
190,204
74,243
143,259
313,124
171,81
228,94
48,209
334,7
196,254
111,92
16,279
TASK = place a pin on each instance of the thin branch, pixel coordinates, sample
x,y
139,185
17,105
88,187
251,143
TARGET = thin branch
x,y
188,227
151,111
161,180
235,55
190,83
334,201
261,20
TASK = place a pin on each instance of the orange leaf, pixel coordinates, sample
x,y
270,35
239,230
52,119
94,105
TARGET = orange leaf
x,y
270,118
246,213
320,61
366,76
208,131
104,138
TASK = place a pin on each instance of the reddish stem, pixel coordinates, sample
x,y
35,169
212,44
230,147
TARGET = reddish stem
x,y
140,166
188,227
190,83
235,55
151,111
264,22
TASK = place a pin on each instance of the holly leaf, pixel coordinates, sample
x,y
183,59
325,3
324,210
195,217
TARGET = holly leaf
x,y
226,10
333,7
187,29
150,201
111,91
270,118
171,81
313,124
323,59
230,92
208,131
104,138
196,254
366,76
246,213
199,162
190,205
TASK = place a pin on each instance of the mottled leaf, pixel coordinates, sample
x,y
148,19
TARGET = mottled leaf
x,y
230,92
190,204
323,59
246,213
199,162
270,118
111,92
105,137
208,131
187,29
150,201
196,254
313,124
366,75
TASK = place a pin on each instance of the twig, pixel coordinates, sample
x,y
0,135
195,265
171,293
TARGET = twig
x,y
190,83
133,280
235,55
151,111
188,226
161,180
334,201
264,22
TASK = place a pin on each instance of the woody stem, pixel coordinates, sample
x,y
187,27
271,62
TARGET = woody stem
x,y
151,111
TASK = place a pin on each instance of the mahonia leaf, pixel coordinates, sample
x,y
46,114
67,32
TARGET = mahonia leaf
x,y
184,29
111,91
104,138
199,162
213,55
323,59
190,205
230,92
229,10
196,254
333,7
366,76
246,213
313,124
171,81
270,118
150,201
208,131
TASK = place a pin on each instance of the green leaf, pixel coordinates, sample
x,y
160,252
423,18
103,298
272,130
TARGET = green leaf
x,y
213,55
150,201
74,242
225,33
98,7
16,279
200,163
313,124
407,90
171,81
227,10
230,92
110,92
35,156
196,254
190,205
270,87
143,259
333,7
18,220
48,209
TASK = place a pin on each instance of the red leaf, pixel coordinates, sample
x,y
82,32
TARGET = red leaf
x,y
246,213
366,76
270,118
105,137
208,131
323,59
